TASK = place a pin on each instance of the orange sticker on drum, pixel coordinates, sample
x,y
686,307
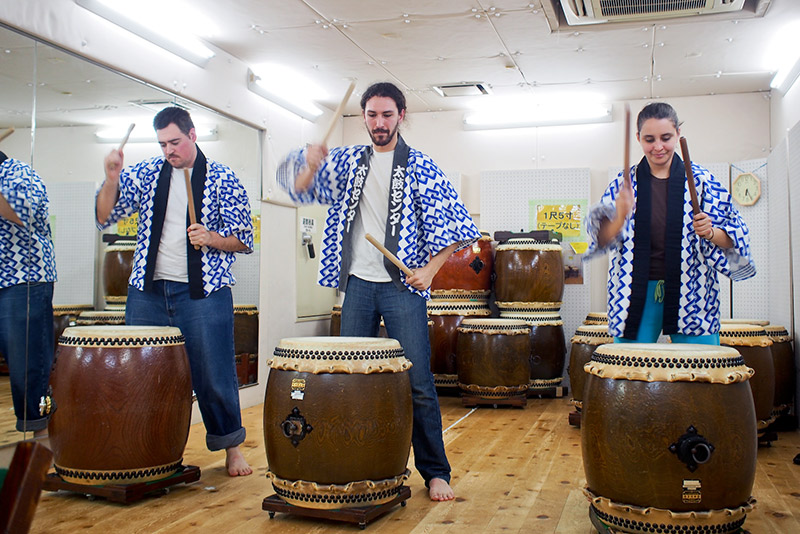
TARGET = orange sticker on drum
x,y
691,492
298,388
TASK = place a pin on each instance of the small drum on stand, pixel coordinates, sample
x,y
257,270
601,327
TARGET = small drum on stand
x,y
755,346
493,361
123,399
668,438
337,421
585,341
446,317
468,271
336,320
97,318
117,266
596,318
785,371
529,271
548,345
245,342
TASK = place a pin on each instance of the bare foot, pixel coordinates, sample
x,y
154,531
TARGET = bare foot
x,y
235,462
440,490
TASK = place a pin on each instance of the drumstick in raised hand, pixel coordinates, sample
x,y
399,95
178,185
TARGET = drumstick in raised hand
x,y
6,133
190,198
392,258
626,163
687,163
127,136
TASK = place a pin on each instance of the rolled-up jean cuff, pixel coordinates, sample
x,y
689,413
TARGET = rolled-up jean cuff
x,y
217,443
32,425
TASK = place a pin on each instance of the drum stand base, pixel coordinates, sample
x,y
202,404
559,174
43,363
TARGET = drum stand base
x,y
124,493
552,392
470,401
362,515
575,418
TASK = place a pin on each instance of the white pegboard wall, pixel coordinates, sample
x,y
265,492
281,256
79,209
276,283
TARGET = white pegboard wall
x,y
780,295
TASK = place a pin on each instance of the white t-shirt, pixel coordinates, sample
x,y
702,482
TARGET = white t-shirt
x,y
373,209
171,262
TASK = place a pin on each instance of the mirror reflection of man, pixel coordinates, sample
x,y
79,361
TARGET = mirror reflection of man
x,y
181,272
27,277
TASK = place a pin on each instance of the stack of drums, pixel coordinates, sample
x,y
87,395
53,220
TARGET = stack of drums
x,y
446,316
548,344
493,361
785,371
586,339
530,275
117,266
337,421
124,404
596,318
245,341
336,320
755,346
97,318
668,438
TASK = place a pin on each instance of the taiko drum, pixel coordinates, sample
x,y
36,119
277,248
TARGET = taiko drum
x,y
446,317
669,438
65,315
755,346
337,421
117,266
785,371
245,329
529,271
469,270
336,320
123,398
103,317
584,342
596,318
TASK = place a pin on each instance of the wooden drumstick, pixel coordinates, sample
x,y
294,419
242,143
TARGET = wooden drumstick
x,y
190,198
127,136
626,168
392,258
338,112
689,175
6,133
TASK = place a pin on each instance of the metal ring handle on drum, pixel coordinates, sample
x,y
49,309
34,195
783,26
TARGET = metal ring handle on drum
x,y
295,426
692,449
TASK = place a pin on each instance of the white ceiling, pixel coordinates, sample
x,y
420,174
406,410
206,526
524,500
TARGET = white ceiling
x,y
515,46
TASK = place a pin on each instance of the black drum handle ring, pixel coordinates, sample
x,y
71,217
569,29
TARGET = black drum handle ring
x,y
692,449
295,426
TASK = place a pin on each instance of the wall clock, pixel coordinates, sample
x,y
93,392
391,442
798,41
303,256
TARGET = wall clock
x,y
746,189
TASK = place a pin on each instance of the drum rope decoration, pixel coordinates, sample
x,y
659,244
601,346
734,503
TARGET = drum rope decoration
x,y
662,425
329,395
123,400
528,270
586,339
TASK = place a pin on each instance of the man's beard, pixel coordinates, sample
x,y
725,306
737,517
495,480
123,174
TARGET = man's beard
x,y
388,139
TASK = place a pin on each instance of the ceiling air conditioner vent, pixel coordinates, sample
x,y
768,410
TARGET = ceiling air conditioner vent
x,y
579,12
463,89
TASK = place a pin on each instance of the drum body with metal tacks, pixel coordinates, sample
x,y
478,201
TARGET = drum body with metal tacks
x,y
548,345
117,266
583,344
446,317
493,358
785,369
529,271
755,346
469,270
123,404
596,318
668,438
337,421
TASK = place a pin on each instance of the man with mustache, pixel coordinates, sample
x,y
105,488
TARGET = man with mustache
x,y
401,197
181,272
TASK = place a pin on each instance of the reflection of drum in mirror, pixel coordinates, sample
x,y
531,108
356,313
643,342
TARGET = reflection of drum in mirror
x,y
785,370
586,339
529,271
336,320
123,399
668,438
548,345
337,421
596,318
754,345
468,270
446,317
66,315
245,329
493,358
96,318
117,265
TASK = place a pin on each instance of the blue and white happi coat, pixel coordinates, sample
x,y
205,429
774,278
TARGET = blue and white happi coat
x,y
701,260
26,252
225,210
433,215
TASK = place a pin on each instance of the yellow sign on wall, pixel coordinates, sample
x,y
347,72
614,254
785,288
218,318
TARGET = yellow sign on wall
x,y
129,225
563,218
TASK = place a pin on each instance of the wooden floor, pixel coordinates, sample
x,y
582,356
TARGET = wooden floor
x,y
514,470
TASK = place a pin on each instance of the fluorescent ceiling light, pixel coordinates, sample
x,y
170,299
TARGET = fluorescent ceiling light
x,y
115,134
783,56
151,21
286,88
527,112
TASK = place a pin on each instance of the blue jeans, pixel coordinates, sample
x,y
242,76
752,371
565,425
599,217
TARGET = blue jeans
x,y
26,341
207,325
406,320
652,320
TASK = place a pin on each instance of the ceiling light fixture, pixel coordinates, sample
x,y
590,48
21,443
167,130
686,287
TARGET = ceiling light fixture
x,y
116,133
783,53
286,89
131,17
518,113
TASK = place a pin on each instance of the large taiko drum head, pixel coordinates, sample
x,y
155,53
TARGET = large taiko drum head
x,y
123,398
669,438
337,421
585,341
117,266
529,271
785,369
446,317
755,346
469,270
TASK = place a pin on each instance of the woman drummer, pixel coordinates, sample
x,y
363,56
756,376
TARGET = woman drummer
x,y
665,259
